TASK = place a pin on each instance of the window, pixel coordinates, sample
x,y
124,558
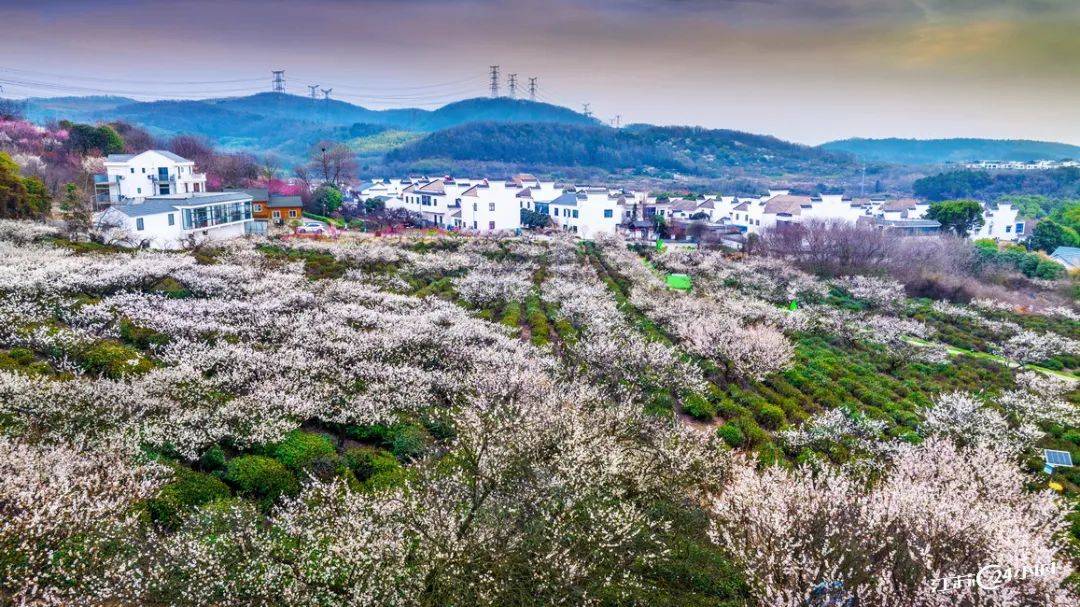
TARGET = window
x,y
139,224
144,169
258,207
554,212
1019,228
292,212
575,213
491,225
475,225
608,213
138,190
491,206
172,219
277,214
1008,229
132,170
475,207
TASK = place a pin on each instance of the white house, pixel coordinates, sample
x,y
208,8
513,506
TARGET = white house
x,y
170,222
135,177
1001,223
589,211
467,204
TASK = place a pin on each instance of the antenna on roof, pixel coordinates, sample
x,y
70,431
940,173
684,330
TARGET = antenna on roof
x,y
513,86
279,81
532,89
494,81
314,90
326,94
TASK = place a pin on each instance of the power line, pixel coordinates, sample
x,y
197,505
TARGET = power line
x,y
127,81
513,86
494,81
279,81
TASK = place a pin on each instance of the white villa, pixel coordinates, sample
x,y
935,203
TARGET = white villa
x,y
135,177
156,199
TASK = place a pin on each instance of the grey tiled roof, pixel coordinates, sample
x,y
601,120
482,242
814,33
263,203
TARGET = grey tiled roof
x,y
150,207
568,199
167,204
284,201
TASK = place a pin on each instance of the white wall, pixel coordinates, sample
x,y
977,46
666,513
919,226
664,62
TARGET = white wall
x,y
1001,224
132,180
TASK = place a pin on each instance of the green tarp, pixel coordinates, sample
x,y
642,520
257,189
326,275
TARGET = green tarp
x,y
681,282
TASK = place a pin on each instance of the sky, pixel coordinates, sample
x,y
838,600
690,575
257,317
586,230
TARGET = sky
x,y
804,70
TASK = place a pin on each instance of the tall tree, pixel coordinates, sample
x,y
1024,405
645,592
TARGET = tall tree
x,y
960,217
14,197
77,212
1049,235
84,138
332,162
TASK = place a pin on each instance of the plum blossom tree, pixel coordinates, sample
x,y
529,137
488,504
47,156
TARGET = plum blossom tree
x,y
941,511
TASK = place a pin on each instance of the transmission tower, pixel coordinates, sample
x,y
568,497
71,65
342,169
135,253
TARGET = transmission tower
x,y
326,94
618,120
513,86
494,81
314,90
585,110
532,89
279,81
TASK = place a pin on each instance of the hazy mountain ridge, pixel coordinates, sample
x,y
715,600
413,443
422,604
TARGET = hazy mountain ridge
x,y
941,151
641,150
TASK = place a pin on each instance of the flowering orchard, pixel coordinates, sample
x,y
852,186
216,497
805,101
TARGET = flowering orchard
x,y
421,420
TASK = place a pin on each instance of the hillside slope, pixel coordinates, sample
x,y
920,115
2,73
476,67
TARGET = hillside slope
x,y
642,150
940,151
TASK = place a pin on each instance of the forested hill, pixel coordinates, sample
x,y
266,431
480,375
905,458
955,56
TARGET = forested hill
x,y
645,150
940,151
273,110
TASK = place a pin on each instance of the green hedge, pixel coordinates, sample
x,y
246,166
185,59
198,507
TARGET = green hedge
x,y
261,477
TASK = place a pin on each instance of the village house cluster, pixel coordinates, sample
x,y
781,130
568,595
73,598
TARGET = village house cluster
x,y
486,205
157,199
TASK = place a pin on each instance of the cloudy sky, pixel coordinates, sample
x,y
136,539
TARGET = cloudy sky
x,y
805,70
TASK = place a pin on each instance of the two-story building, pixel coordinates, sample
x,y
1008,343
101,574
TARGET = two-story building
x,y
135,177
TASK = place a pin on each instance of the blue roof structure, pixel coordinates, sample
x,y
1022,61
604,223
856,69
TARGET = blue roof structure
x,y
1069,255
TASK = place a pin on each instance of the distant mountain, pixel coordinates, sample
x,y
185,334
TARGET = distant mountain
x,y
641,150
44,109
940,151
289,124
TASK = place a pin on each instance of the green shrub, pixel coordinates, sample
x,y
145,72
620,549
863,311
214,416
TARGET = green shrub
x,y
299,449
699,407
660,403
23,361
374,468
141,337
410,442
261,477
186,491
113,360
511,314
731,434
213,458
770,416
